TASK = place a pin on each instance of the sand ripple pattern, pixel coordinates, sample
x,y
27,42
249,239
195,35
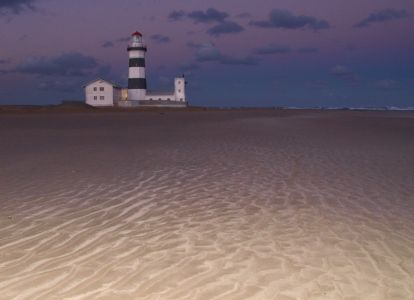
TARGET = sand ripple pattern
x,y
207,206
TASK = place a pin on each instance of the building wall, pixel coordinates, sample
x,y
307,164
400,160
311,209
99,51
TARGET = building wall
x,y
177,96
160,97
99,93
117,95
112,96
161,103
179,89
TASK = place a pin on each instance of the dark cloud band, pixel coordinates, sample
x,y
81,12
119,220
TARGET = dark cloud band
x,y
159,38
227,27
383,16
287,20
211,15
16,6
69,64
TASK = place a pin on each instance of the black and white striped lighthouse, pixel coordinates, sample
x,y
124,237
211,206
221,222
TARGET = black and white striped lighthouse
x,y
137,83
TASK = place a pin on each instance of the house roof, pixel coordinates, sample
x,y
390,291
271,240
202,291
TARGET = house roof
x,y
100,79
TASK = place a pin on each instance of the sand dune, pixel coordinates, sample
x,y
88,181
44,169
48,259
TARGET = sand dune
x,y
215,205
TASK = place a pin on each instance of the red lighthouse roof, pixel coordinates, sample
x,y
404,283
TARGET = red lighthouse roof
x,y
136,33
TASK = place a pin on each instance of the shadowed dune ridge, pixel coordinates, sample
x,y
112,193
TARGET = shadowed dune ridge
x,y
214,205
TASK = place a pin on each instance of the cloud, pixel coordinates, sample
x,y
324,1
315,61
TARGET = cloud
x,y
16,6
227,27
286,20
387,84
111,44
4,62
308,50
209,53
211,15
107,44
272,49
160,38
69,64
383,16
344,73
123,39
177,15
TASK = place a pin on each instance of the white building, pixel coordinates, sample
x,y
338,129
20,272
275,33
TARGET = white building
x,y
104,93
170,98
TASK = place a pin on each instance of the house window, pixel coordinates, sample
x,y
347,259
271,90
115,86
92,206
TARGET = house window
x,y
159,98
181,99
95,97
95,89
101,97
101,88
179,91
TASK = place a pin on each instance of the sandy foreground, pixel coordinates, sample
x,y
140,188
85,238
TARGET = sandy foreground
x,y
207,205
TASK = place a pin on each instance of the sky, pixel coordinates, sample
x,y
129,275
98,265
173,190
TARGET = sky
x,y
330,53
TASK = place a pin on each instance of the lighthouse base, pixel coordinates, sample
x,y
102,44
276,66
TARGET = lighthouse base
x,y
136,94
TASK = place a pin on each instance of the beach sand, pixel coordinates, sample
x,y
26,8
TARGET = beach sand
x,y
207,205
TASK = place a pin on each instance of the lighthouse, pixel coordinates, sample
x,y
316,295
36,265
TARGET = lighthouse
x,y
137,83
105,93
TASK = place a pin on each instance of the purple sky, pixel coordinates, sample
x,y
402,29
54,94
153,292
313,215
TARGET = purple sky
x,y
233,52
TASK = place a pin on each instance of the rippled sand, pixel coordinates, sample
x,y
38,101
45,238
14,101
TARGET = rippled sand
x,y
207,205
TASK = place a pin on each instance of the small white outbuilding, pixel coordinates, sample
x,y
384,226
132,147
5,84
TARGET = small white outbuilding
x,y
102,93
